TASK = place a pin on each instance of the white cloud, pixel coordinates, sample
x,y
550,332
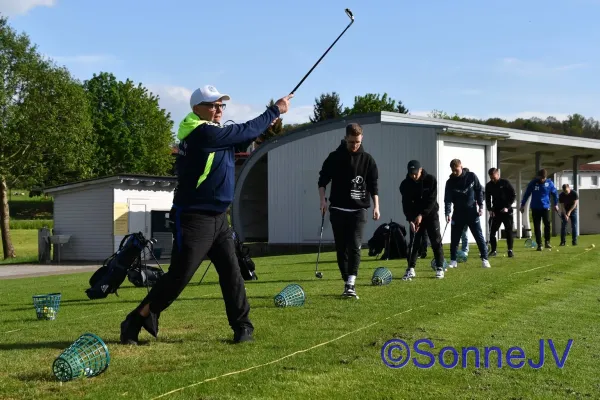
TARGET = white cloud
x,y
20,7
535,68
175,99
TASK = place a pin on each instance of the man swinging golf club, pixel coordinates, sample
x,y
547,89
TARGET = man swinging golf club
x,y
205,185
499,197
354,177
420,206
464,191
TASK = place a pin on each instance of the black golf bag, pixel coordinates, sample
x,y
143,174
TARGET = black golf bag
x,y
247,266
391,239
125,261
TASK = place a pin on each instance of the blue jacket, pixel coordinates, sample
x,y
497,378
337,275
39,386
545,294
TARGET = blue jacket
x,y
205,164
540,194
463,191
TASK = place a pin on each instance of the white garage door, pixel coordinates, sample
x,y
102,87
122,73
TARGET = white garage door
x,y
471,157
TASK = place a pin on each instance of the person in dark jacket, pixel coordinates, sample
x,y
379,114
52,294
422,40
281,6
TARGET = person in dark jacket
x,y
421,208
204,192
464,191
540,189
354,181
499,198
569,201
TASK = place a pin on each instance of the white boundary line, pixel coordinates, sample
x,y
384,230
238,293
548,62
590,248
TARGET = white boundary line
x,y
339,337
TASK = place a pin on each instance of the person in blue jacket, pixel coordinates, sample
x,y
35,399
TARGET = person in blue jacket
x,y
539,189
205,185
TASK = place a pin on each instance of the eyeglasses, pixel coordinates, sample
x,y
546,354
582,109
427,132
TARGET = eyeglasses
x,y
214,106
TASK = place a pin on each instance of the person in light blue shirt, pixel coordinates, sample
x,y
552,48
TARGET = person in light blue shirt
x,y
540,189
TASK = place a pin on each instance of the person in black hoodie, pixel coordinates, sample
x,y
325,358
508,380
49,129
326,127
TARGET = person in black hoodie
x,y
353,175
503,195
466,193
420,206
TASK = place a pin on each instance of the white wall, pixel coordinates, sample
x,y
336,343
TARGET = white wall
x,y
86,215
587,179
139,202
294,215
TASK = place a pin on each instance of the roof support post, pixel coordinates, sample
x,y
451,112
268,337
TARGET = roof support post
x,y
576,188
519,214
538,161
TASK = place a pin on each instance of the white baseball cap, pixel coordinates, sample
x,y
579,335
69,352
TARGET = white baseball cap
x,y
207,94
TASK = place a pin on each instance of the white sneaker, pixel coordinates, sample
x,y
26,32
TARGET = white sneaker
x,y
486,264
439,274
409,275
453,264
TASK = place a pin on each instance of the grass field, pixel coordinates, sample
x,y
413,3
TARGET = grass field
x,y
331,347
25,242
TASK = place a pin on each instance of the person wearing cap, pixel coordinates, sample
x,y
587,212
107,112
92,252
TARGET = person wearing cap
x,y
204,192
421,208
464,191
499,197
354,181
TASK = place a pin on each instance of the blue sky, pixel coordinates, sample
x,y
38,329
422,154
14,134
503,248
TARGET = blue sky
x,y
471,57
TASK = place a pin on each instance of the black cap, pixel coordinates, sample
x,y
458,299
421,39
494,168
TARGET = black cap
x,y
413,167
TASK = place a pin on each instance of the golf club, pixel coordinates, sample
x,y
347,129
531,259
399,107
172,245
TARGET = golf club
x,y
318,273
349,13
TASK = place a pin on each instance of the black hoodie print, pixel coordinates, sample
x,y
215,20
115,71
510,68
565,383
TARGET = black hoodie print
x,y
353,177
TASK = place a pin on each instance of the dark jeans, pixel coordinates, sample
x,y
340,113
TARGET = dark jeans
x,y
348,229
539,215
499,219
470,218
197,235
429,227
574,218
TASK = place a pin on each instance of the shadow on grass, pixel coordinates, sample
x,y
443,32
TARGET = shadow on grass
x,y
39,377
31,346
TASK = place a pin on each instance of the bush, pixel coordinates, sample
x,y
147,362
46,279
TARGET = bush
x,y
31,223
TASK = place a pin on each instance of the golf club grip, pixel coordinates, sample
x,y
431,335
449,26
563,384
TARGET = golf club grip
x,y
319,60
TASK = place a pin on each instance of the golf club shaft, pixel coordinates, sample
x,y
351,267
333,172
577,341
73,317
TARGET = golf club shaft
x,y
327,51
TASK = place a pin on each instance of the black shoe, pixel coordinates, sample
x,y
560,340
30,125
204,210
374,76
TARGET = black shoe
x,y
423,255
493,253
563,244
131,327
574,243
548,246
349,291
150,324
511,254
243,335
539,248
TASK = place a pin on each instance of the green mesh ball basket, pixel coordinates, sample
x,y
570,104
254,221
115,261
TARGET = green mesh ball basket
x,y
530,244
434,265
291,296
87,357
46,305
381,276
461,256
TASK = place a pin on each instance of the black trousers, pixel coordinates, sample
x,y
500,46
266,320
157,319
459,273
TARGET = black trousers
x,y
539,215
430,227
348,227
197,235
499,219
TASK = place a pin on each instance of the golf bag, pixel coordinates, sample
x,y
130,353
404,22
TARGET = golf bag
x,y
247,266
391,239
125,261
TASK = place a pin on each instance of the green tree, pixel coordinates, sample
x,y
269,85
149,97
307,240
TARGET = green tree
x,y
371,102
274,130
401,108
439,114
44,125
328,106
132,134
